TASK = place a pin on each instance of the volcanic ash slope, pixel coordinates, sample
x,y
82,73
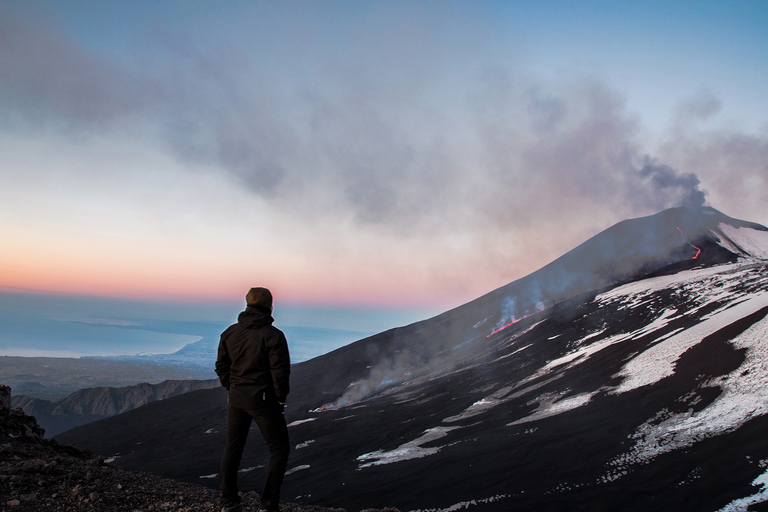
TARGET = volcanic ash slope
x,y
651,395
639,386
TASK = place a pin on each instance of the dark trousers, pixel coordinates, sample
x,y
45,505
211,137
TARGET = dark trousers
x,y
271,423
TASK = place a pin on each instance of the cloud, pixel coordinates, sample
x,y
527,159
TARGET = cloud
x,y
702,106
361,142
373,130
47,79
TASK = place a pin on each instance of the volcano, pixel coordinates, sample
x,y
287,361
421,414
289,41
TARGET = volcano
x,y
630,374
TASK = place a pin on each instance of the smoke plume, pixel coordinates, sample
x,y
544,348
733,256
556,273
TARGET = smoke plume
x,y
671,187
499,172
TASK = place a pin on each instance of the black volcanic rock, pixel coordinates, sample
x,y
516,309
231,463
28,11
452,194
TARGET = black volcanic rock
x,y
631,374
38,474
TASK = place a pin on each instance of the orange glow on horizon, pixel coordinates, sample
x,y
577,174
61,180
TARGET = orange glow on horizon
x,y
162,281
122,267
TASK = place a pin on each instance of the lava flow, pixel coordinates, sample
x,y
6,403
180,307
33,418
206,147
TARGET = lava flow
x,y
330,407
698,251
513,322
508,325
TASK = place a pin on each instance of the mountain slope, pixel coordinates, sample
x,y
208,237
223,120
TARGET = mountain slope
x,y
89,404
626,375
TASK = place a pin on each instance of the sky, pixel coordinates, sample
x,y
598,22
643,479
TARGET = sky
x,y
378,154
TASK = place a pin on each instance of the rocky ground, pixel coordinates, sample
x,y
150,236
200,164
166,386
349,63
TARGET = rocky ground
x,y
37,474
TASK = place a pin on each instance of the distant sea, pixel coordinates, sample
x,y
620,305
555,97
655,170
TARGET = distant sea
x,y
51,325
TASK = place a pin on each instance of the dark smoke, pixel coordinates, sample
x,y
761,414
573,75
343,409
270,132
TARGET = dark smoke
x,y
669,185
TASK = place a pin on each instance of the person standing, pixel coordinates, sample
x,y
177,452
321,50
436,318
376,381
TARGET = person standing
x,y
254,365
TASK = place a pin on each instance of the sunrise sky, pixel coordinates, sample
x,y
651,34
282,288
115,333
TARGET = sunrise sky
x,y
377,153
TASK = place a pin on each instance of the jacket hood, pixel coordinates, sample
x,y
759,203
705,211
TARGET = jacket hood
x,y
254,317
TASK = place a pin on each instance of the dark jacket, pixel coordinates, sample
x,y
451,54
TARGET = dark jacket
x,y
253,361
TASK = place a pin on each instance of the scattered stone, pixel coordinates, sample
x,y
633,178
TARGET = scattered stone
x,y
83,483
5,397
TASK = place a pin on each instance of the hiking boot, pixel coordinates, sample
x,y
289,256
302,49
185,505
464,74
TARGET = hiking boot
x,y
232,508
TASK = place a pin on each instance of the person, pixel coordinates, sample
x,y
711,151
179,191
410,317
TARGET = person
x,y
254,365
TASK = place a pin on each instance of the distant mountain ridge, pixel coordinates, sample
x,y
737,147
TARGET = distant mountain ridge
x,y
630,374
89,404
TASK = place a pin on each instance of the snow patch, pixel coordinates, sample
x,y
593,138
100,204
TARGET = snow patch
x,y
515,352
410,450
297,468
582,354
585,338
657,324
299,422
481,322
641,289
465,504
744,396
658,362
742,504
752,241
479,407
550,406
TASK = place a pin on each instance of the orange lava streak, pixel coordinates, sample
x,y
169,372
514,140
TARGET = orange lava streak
x,y
698,251
512,323
502,328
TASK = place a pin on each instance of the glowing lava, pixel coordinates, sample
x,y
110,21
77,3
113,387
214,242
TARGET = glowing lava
x,y
330,407
698,251
508,325
513,322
